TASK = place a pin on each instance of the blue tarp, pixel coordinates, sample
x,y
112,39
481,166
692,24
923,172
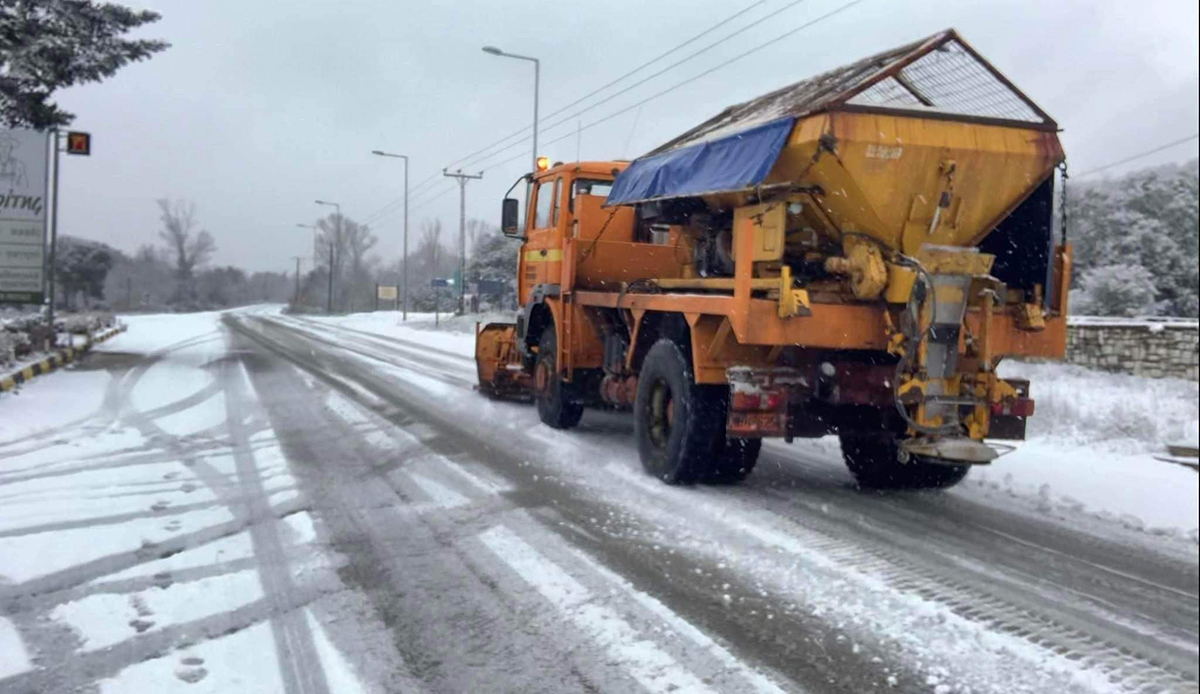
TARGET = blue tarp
x,y
737,161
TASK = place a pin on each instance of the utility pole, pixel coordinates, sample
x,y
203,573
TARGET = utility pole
x,y
332,262
296,295
462,230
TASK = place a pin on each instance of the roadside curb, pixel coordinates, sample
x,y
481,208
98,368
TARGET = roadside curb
x,y
54,361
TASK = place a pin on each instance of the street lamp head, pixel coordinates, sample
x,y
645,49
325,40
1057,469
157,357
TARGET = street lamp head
x,y
493,50
375,151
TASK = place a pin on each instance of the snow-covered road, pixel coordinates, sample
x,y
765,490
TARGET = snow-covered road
x,y
251,502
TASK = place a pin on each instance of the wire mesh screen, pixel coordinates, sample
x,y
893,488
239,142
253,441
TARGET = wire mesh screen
x,y
950,80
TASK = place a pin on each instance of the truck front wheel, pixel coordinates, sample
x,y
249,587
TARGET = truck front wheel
x,y
674,421
557,405
875,464
734,461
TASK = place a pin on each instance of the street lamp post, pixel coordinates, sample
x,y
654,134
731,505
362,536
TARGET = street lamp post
x,y
404,263
332,250
537,77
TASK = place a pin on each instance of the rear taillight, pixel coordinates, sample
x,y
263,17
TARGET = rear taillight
x,y
763,401
1016,407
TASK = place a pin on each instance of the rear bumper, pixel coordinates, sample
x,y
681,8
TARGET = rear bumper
x,y
839,397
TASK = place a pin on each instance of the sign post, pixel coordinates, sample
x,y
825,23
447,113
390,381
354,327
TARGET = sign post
x,y
438,283
24,188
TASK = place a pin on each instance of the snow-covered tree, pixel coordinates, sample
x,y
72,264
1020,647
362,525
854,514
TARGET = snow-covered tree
x,y
1148,219
81,267
46,45
495,257
1117,290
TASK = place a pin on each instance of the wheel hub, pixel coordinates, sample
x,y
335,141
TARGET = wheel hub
x,y
662,413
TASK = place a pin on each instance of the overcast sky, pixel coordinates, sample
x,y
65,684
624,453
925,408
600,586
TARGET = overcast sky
x,y
258,108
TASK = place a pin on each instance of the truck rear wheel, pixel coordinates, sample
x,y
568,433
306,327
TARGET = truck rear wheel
x,y
874,462
556,400
674,420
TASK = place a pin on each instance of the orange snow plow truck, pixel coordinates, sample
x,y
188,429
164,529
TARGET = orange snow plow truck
x,y
852,254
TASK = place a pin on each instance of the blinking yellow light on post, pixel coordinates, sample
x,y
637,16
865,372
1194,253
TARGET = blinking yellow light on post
x,y
543,163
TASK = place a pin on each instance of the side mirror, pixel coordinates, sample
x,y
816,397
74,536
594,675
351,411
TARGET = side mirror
x,y
510,218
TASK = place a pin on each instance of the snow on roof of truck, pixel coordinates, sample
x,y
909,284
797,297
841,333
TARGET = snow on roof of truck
x,y
939,76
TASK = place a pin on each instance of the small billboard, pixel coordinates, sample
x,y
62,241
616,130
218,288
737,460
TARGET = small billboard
x,y
23,214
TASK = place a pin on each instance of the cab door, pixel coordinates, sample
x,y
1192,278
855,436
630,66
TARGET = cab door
x,y
541,255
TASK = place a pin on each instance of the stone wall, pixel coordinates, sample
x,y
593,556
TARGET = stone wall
x,y
1141,347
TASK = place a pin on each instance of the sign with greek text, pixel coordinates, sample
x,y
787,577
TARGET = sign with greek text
x,y
23,212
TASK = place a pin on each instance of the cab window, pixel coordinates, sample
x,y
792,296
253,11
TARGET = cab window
x,y
589,186
545,204
554,213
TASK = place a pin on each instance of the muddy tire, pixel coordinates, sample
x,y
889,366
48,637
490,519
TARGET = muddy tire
x,y
874,463
674,421
557,403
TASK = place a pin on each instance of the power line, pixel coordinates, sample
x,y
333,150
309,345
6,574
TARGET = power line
x,y
745,54
689,80
1147,153
635,70
434,177
644,80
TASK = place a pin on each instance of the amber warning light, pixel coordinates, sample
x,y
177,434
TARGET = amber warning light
x,y
543,163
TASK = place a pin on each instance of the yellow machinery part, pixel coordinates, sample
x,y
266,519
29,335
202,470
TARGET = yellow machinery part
x,y
909,181
498,363
863,263
767,223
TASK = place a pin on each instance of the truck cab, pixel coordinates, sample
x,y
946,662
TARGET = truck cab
x,y
566,202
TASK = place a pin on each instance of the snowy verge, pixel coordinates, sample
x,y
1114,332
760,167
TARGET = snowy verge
x,y
1134,490
1108,412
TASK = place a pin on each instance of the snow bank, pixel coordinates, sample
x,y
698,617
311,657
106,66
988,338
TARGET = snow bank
x,y
1108,412
1134,490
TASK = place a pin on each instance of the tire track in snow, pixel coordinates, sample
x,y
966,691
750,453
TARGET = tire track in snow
x,y
295,649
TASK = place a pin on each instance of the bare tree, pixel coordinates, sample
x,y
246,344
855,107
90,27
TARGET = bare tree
x,y
331,238
429,248
190,247
359,241
349,242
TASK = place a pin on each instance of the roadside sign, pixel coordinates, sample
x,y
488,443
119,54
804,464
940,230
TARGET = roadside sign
x,y
442,282
23,198
387,293
79,143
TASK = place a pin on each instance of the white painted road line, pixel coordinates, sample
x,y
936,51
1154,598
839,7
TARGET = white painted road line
x,y
757,681
15,658
652,667
484,485
438,493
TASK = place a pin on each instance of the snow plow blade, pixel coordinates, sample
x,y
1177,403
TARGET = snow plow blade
x,y
498,362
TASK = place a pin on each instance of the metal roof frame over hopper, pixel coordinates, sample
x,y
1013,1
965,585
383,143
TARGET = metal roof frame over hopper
x,y
940,78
